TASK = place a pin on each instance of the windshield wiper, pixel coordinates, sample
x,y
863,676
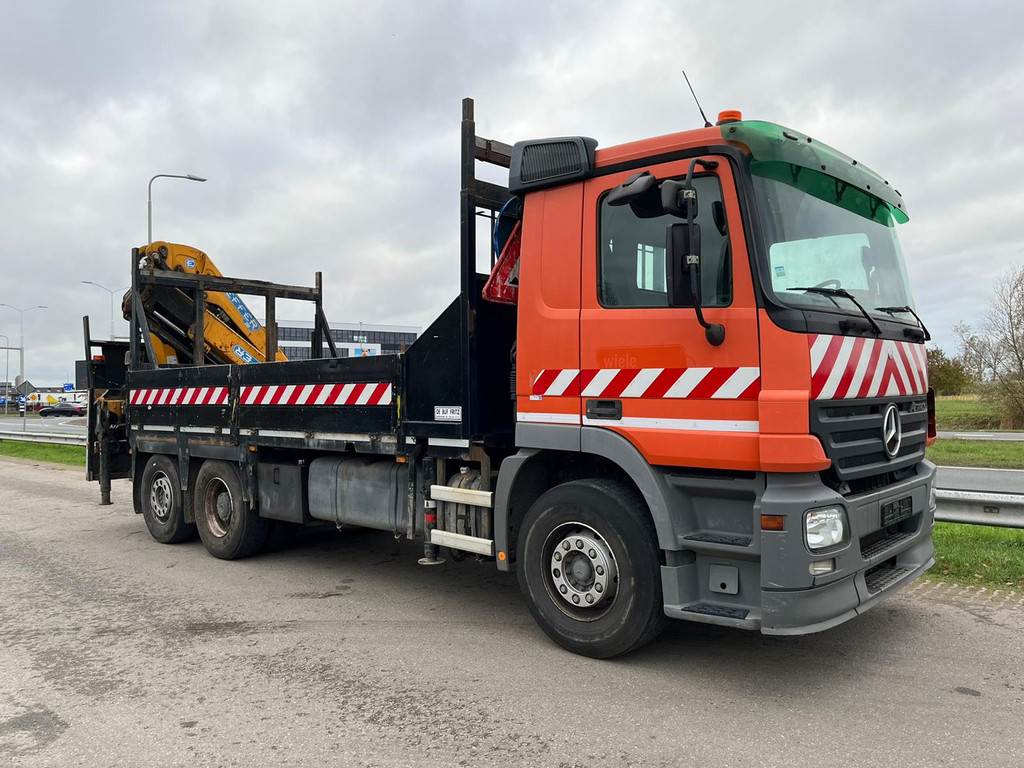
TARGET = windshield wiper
x,y
907,308
831,292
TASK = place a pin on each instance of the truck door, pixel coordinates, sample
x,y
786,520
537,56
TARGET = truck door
x,y
647,371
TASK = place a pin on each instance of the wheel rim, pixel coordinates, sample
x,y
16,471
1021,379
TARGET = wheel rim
x,y
582,574
161,497
218,507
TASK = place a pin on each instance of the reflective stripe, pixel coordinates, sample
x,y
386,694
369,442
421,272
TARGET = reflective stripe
x,y
846,367
682,425
547,418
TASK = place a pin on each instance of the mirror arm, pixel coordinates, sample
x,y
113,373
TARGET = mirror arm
x,y
713,332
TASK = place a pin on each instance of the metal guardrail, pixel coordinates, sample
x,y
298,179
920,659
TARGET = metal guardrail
x,y
1005,510
56,438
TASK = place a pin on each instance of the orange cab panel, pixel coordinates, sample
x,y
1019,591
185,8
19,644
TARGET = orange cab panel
x,y
647,371
549,307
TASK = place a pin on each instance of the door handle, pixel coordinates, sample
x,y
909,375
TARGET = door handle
x,y
604,409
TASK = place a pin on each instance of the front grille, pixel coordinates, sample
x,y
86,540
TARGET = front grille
x,y
877,482
851,432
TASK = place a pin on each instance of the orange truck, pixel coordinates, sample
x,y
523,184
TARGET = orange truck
x,y
691,384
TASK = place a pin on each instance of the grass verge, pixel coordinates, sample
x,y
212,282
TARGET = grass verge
x,y
979,555
1000,454
72,455
954,414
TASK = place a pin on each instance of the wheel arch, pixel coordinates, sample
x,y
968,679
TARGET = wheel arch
x,y
525,475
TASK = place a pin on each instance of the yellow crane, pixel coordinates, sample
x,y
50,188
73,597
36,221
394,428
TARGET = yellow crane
x,y
231,332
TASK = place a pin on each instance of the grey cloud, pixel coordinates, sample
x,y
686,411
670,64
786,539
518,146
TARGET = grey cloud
x,y
329,131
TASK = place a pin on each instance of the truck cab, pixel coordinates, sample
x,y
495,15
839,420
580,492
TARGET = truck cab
x,y
778,440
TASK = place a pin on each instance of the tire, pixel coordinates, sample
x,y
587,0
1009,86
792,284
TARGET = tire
x,y
618,567
161,501
228,528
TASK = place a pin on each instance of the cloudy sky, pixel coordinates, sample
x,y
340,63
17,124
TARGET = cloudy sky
x,y
329,132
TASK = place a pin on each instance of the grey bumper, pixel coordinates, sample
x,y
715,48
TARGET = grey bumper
x,y
774,590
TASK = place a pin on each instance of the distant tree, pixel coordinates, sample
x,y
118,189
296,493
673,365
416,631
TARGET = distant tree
x,y
997,351
973,353
948,376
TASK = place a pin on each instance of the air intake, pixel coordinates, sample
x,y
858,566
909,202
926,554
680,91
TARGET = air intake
x,y
546,162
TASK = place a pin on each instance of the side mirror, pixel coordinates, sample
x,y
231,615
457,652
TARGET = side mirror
x,y
681,262
682,254
678,199
633,188
640,193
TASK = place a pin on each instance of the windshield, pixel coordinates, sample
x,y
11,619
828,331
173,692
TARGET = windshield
x,y
824,233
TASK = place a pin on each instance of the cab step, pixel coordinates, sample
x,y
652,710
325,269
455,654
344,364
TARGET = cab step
x,y
722,614
729,539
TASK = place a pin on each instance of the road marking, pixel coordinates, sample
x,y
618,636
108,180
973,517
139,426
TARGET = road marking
x,y
982,469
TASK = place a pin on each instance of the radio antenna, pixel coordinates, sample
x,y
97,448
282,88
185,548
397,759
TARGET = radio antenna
x,y
707,123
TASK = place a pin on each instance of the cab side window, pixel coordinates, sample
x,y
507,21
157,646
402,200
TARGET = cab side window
x,y
631,269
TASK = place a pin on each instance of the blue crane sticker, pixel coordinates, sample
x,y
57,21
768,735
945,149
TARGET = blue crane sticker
x,y
247,317
242,355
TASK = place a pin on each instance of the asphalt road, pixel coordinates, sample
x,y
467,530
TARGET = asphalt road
x,y
976,479
340,650
71,425
1012,437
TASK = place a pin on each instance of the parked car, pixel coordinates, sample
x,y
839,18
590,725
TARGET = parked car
x,y
63,409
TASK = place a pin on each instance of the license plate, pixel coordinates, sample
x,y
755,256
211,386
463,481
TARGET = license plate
x,y
894,511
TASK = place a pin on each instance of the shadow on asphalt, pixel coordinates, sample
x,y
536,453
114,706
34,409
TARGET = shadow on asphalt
x,y
472,591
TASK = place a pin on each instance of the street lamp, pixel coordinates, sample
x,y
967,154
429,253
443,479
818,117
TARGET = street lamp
x,y
7,371
111,292
21,350
149,198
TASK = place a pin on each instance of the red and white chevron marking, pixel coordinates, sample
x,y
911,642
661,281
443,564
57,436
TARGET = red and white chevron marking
x,y
844,367
722,383
180,396
371,393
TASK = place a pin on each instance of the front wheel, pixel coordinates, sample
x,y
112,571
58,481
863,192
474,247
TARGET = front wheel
x,y
588,565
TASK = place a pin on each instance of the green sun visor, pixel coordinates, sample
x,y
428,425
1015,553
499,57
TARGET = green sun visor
x,y
798,160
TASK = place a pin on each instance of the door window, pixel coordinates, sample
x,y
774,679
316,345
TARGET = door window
x,y
632,260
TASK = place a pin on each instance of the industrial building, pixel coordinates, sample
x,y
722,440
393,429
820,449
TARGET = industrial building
x,y
351,339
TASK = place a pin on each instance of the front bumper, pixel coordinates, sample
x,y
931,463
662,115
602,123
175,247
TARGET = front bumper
x,y
774,590
802,612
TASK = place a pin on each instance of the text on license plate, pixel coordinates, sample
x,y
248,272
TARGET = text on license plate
x,y
894,511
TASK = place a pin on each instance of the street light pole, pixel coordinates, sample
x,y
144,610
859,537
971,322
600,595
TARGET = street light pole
x,y
7,371
111,292
21,351
149,198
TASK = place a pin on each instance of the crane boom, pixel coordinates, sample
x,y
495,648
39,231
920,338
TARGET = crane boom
x,y
232,334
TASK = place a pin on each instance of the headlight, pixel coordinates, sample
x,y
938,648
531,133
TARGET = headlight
x,y
825,528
